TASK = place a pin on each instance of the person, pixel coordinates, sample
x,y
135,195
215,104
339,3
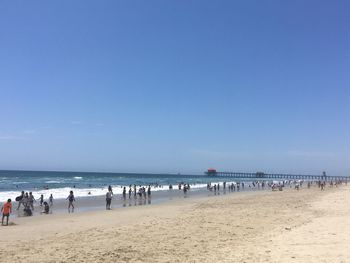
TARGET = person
x,y
110,189
144,191
108,200
46,209
140,192
130,191
19,199
124,192
149,191
31,200
70,199
27,211
6,211
41,200
25,201
51,200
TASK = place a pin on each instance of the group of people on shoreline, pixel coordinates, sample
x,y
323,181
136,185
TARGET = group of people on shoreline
x,y
27,200
142,192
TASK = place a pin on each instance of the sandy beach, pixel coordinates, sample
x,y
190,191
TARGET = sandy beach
x,y
289,226
174,131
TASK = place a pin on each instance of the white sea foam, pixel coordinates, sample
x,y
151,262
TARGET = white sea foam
x,y
58,193
78,177
62,193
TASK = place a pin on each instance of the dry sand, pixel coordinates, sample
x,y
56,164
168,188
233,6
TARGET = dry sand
x,y
289,226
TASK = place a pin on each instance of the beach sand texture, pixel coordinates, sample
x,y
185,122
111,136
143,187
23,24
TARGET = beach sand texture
x,y
289,226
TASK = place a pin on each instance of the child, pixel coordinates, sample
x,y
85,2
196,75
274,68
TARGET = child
x,y
6,211
46,208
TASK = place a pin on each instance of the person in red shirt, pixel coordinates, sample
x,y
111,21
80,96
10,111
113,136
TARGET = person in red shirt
x,y
6,210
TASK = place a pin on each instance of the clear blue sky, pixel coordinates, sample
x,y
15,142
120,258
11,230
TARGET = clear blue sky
x,y
175,86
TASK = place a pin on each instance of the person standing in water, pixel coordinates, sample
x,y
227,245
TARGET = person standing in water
x,y
51,200
31,200
124,192
130,191
25,201
20,200
108,200
70,199
149,191
41,200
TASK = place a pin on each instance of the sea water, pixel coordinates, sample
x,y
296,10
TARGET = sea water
x,y
91,184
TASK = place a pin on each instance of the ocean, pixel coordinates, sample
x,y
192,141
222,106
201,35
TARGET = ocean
x,y
90,184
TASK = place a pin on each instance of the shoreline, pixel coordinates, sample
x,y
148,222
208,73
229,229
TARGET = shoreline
x,y
261,226
97,203
172,206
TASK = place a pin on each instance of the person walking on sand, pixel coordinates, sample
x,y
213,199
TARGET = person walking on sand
x,y
70,199
6,211
108,200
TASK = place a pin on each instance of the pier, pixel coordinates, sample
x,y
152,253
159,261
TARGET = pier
x,y
261,175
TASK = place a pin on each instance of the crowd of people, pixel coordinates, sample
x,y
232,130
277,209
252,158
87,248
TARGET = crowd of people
x,y
26,200
237,186
133,192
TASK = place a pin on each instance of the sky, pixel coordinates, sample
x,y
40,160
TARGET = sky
x,y
175,86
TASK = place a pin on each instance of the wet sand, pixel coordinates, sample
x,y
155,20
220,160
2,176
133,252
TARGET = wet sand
x,y
98,203
264,226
